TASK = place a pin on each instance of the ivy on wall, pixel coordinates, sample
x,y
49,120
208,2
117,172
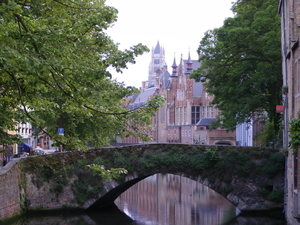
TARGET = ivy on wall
x,y
294,134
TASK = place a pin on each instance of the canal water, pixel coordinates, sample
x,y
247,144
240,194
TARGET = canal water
x,y
160,200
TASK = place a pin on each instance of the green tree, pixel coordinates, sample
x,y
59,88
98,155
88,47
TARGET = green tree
x,y
54,60
241,64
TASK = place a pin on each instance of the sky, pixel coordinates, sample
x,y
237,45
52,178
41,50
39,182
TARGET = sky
x,y
179,27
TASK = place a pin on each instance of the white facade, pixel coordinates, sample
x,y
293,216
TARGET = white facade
x,y
244,134
26,132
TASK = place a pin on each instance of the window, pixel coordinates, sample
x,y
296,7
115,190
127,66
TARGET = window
x,y
180,95
295,171
212,111
297,88
206,96
156,61
185,116
163,114
195,114
180,115
177,115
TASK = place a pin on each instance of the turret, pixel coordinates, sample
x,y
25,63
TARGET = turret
x,y
174,67
189,65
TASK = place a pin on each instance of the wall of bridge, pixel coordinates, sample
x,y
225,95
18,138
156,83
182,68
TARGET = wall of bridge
x,y
59,181
9,189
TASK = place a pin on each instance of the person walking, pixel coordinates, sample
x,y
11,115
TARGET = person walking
x,y
4,160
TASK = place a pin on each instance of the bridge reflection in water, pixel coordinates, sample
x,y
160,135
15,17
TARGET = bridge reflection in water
x,y
173,200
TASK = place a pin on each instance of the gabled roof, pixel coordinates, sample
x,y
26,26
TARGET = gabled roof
x,y
205,121
164,77
169,84
142,98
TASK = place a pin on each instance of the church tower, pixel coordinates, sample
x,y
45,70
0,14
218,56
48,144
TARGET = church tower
x,y
157,63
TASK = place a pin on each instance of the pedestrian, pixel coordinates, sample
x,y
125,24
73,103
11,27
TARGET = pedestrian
x,y
32,151
4,160
24,155
10,153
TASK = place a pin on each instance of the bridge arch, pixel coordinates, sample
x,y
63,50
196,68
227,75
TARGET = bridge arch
x,y
251,201
112,194
237,173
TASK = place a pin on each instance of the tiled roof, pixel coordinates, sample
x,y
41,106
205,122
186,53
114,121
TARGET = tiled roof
x,y
164,77
205,121
142,98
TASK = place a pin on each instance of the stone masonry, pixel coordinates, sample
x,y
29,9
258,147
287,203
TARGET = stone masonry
x,y
9,189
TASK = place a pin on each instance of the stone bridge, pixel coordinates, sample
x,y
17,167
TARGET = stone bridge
x,y
250,178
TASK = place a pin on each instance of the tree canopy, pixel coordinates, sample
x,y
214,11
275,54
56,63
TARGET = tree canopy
x,y
241,64
55,57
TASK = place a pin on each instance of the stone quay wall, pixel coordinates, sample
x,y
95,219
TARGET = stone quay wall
x,y
10,195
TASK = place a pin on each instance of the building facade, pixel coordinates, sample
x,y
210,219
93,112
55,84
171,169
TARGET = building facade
x,y
290,34
187,113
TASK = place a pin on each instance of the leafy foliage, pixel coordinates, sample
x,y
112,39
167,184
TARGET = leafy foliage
x,y
241,64
276,194
54,63
294,134
86,187
272,165
112,173
269,135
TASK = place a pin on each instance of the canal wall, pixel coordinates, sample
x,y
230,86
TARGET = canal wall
x,y
10,194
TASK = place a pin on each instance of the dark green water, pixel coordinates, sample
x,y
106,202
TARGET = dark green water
x,y
159,200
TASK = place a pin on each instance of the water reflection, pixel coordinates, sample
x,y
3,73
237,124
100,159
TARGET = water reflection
x,y
175,200
113,216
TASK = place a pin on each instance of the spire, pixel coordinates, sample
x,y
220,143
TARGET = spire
x,y
174,62
157,48
189,59
180,72
174,66
189,63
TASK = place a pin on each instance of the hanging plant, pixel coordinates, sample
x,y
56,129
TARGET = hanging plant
x,y
285,90
294,134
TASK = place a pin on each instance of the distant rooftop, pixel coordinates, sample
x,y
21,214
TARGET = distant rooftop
x,y
205,121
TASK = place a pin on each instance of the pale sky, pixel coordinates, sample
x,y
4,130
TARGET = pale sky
x,y
179,27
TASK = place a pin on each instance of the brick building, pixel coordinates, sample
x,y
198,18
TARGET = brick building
x,y
187,113
290,34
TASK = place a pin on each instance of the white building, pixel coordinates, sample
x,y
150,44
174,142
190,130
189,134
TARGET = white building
x,y
244,134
